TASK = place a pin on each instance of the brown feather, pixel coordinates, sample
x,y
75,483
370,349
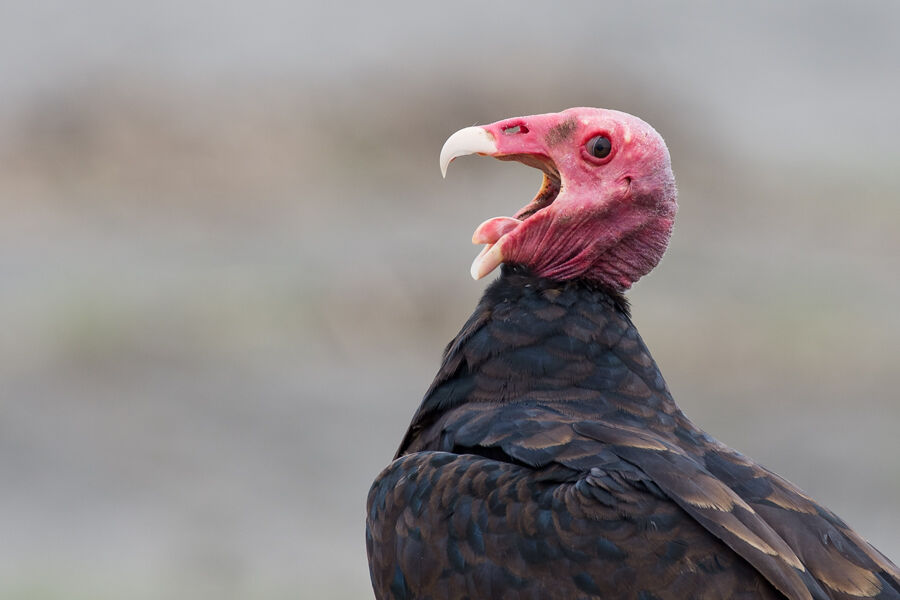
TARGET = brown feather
x,y
548,459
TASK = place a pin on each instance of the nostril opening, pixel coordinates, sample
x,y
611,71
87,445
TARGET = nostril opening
x,y
514,129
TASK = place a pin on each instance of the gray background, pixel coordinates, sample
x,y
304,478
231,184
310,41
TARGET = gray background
x,y
228,264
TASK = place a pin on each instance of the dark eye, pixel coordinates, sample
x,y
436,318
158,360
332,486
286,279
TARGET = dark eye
x,y
599,146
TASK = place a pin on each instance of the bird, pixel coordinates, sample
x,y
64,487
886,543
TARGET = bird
x,y
548,458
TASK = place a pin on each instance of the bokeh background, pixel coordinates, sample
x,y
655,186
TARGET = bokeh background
x,y
228,264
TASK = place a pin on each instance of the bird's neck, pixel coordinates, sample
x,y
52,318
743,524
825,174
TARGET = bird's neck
x,y
569,344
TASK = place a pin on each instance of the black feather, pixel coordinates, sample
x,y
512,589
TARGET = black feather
x,y
548,459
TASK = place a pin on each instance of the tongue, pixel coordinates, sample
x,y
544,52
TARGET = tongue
x,y
493,229
490,233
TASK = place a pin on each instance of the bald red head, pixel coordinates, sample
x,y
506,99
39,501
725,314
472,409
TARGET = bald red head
x,y
607,205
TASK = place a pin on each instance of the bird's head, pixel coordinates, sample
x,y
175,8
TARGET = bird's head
x,y
607,205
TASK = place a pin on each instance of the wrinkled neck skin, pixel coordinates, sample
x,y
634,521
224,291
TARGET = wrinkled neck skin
x,y
570,345
613,242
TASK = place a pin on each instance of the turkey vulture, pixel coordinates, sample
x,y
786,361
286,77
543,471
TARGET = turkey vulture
x,y
548,458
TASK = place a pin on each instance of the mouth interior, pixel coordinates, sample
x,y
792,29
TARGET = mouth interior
x,y
550,187
493,231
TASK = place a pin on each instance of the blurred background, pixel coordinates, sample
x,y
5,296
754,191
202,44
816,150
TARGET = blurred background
x,y
229,265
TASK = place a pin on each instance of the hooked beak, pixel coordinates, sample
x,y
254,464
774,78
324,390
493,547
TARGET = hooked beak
x,y
518,139
471,140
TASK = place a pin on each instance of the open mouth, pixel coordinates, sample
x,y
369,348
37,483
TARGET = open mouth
x,y
491,233
550,187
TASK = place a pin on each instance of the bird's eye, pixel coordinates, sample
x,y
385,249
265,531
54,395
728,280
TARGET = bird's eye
x,y
599,146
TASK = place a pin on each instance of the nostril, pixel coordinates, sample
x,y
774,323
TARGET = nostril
x,y
514,129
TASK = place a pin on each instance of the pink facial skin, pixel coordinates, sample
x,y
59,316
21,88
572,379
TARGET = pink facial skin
x,y
606,219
